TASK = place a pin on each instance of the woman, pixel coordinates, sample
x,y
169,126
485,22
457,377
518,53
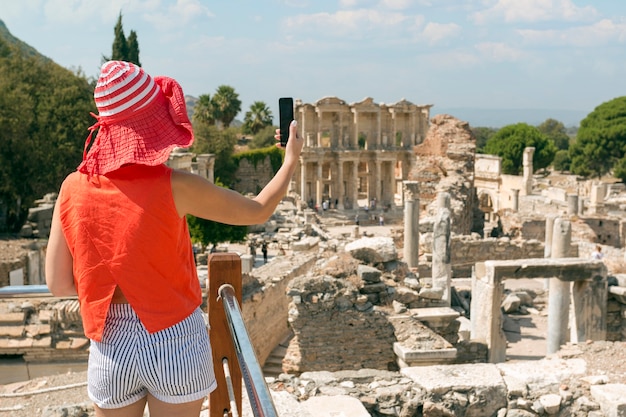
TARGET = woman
x,y
119,240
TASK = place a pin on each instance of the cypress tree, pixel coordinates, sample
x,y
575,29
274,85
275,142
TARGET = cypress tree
x,y
133,48
120,45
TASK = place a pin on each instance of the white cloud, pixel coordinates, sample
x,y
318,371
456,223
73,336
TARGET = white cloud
x,y
436,32
397,4
452,60
82,11
345,21
179,14
499,52
347,4
534,11
600,33
13,9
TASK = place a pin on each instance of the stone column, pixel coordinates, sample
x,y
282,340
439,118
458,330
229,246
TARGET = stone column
x,y
318,185
528,170
377,182
411,223
581,206
342,191
547,248
442,266
355,189
379,129
596,199
589,309
303,193
392,186
356,128
559,292
515,200
572,204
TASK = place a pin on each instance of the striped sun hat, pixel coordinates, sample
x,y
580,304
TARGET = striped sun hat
x,y
140,119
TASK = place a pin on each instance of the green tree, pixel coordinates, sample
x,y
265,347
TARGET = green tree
x,y
209,232
600,143
482,135
510,141
226,105
123,49
221,143
203,110
555,130
264,138
619,169
44,116
258,117
561,160
120,45
133,48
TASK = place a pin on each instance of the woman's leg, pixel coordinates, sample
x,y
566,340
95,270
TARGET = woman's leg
x,y
159,408
133,410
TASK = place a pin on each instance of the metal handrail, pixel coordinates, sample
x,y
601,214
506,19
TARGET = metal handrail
x,y
22,290
258,393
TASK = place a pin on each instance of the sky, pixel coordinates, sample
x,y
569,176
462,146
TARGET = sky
x,y
477,54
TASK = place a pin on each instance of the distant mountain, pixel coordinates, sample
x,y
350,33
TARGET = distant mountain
x,y
25,48
501,117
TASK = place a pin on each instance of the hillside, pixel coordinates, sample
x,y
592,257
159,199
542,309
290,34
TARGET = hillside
x,y
25,48
44,119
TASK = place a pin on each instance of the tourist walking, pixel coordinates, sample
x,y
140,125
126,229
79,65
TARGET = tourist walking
x,y
597,253
119,241
264,250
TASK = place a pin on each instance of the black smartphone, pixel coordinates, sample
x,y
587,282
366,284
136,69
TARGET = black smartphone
x,y
285,113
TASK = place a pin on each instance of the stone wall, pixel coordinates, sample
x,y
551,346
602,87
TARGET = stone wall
x,y
467,250
7,267
335,329
605,230
24,257
251,178
445,162
42,330
265,310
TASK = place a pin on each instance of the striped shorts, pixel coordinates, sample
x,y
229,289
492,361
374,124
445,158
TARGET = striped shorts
x,y
174,365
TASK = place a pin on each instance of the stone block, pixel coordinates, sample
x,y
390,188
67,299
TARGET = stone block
x,y
611,397
465,328
12,331
64,344
46,316
422,356
435,316
368,274
8,319
338,405
36,330
44,342
619,293
479,381
541,375
80,343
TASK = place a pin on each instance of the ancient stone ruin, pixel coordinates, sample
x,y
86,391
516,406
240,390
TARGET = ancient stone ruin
x,y
409,318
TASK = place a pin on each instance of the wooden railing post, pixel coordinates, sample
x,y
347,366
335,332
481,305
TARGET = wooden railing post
x,y
223,268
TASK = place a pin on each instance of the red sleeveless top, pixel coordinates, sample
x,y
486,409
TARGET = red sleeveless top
x,y
123,230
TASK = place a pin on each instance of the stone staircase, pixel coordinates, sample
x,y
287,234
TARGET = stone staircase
x,y
273,365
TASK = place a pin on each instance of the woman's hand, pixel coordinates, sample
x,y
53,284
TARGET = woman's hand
x,y
294,144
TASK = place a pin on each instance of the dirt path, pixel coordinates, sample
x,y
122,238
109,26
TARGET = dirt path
x,y
526,333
